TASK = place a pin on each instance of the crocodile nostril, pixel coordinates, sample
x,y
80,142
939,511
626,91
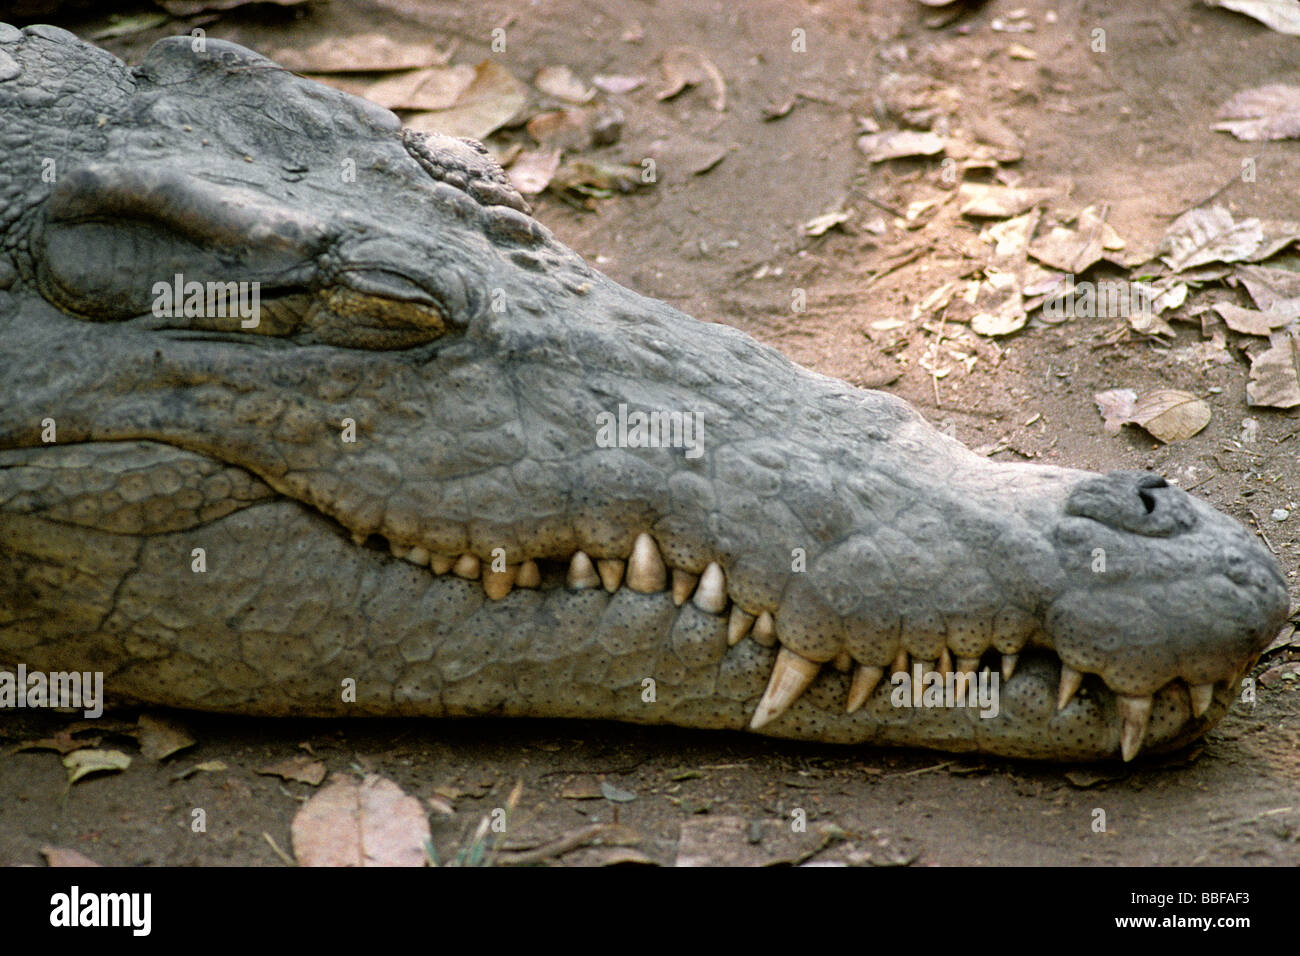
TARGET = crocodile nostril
x,y
1109,499
1148,499
1144,486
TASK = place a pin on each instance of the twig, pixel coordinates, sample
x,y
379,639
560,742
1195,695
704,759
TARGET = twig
x,y
288,860
555,848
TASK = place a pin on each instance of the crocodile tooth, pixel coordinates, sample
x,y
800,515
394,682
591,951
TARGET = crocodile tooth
x,y
418,555
764,631
582,574
440,563
865,679
790,678
738,626
467,567
900,662
498,584
1134,712
918,686
945,662
843,661
711,595
1201,695
645,569
968,665
529,576
1070,681
611,572
398,550
683,585
1009,665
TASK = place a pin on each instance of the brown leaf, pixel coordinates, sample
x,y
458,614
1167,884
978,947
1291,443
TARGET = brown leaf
x,y
1280,15
561,129
366,823
1273,290
1075,250
63,857
533,170
1250,321
1200,236
63,742
999,202
433,88
1264,113
560,82
615,84
298,767
357,53
1116,406
1273,375
160,737
898,144
491,101
683,67
1171,415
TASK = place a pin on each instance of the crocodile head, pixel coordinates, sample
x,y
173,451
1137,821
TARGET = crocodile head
x,y
444,459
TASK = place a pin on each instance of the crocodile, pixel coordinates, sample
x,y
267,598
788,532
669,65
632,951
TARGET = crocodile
x,y
304,414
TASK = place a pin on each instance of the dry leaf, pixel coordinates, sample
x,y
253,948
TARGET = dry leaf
x,y
683,67
83,762
1250,321
357,53
827,220
491,101
298,767
999,202
1280,15
898,144
1116,406
63,857
366,823
1273,290
563,84
1200,236
1266,112
434,88
533,170
1171,415
1273,375
1076,250
1000,307
615,84
561,129
207,766
160,737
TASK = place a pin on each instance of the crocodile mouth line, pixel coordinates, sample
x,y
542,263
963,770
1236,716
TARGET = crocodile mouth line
x,y
645,571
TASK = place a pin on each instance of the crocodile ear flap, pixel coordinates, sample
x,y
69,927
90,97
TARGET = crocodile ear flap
x,y
109,234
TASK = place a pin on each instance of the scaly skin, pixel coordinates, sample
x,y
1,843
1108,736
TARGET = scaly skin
x,y
817,538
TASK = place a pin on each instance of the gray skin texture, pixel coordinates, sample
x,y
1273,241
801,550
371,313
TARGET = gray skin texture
x,y
404,289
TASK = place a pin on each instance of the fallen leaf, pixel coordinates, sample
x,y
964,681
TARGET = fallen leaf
x,y
367,823
561,129
583,788
1264,113
207,766
591,177
563,84
999,202
615,84
1018,51
1171,415
615,795
1251,321
357,53
1200,236
533,170
160,737
432,88
1076,250
83,762
898,144
62,742
1280,15
999,304
1272,290
683,67
1116,406
298,767
827,220
491,101
63,857
1273,375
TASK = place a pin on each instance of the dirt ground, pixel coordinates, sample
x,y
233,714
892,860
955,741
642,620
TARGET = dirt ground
x,y
1128,129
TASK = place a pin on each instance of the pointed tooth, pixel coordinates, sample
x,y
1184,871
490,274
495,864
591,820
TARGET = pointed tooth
x,y
440,563
918,686
900,662
790,678
764,631
529,576
1134,713
945,662
738,626
1009,665
1070,681
359,538
968,665
711,595
645,568
418,555
398,550
467,567
865,679
498,584
843,661
611,572
1202,695
582,573
683,585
